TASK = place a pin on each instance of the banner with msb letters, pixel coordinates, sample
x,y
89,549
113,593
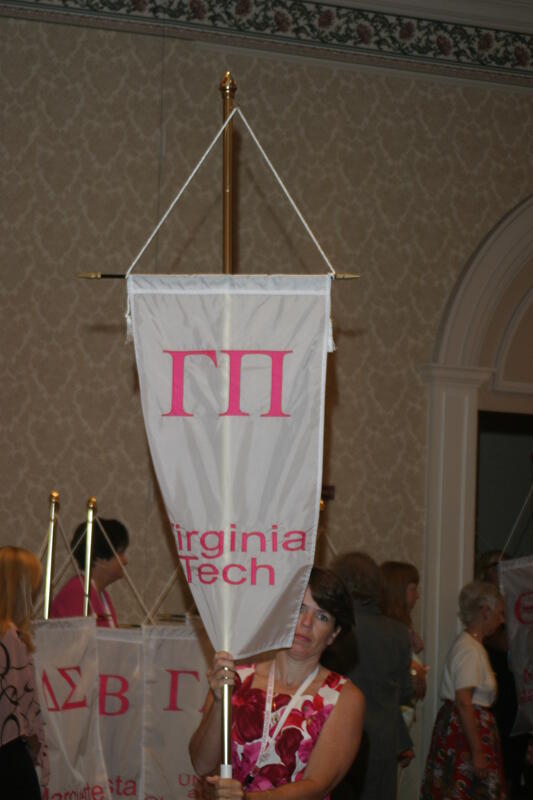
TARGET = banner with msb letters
x,y
232,376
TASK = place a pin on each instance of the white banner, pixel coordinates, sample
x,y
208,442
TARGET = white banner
x,y
516,577
125,700
232,375
120,707
175,667
66,666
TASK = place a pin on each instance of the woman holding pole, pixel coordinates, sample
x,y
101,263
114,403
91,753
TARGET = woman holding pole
x,y
296,725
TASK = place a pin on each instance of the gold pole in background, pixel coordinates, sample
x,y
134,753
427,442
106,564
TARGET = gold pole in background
x,y
228,87
54,501
91,510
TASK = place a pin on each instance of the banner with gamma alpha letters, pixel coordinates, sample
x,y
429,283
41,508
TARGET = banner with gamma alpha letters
x,y
232,375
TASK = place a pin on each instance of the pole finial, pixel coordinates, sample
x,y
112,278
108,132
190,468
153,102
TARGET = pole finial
x,y
91,503
228,85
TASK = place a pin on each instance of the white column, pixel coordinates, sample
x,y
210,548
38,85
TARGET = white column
x,y
450,514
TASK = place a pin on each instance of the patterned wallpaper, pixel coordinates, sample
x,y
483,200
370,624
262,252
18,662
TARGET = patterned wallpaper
x,y
330,29
400,177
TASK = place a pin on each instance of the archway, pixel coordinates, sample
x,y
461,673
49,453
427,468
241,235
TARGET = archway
x,y
492,297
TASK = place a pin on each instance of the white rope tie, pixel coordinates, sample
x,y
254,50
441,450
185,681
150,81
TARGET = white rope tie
x,y
236,110
164,593
513,531
179,194
287,195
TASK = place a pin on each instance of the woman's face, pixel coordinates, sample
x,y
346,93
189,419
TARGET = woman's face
x,y
315,629
411,595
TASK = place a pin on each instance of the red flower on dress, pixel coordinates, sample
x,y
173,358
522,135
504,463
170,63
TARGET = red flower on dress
x,y
317,722
270,776
333,680
245,764
248,709
287,746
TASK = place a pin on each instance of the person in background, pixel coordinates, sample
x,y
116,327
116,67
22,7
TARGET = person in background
x,y
106,568
464,761
400,581
380,659
505,707
22,741
296,726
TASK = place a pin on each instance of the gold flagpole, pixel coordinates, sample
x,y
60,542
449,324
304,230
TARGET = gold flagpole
x,y
54,501
228,87
91,510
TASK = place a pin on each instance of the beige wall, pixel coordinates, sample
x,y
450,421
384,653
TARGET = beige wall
x,y
399,175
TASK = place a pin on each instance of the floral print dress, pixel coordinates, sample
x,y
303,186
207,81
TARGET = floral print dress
x,y
287,759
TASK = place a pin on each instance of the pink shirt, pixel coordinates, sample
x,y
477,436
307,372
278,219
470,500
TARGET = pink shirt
x,y
69,603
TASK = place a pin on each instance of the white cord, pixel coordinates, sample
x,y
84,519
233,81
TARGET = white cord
x,y
179,194
164,593
526,501
287,195
236,110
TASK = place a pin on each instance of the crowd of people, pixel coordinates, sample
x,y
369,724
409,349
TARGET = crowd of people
x,y
329,717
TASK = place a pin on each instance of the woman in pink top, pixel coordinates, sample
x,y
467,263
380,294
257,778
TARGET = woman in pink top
x,y
106,568
296,726
21,734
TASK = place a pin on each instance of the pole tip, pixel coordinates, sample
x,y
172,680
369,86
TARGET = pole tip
x,y
228,85
54,496
91,503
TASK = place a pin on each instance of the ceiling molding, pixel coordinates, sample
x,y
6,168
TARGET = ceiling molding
x,y
508,15
313,28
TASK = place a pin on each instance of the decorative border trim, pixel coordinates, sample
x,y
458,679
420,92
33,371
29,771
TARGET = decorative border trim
x,y
349,32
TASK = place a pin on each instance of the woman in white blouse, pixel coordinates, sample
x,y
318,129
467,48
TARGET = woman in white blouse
x,y
464,761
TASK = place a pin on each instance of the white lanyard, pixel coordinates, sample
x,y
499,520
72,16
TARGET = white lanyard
x,y
266,739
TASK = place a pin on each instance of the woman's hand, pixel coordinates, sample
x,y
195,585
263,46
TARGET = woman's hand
x,y
480,764
222,673
418,674
226,788
405,758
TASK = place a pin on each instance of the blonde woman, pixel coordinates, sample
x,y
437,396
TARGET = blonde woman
x,y
21,734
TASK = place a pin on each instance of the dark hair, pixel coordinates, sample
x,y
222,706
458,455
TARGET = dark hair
x,y
487,564
397,575
361,575
117,533
330,593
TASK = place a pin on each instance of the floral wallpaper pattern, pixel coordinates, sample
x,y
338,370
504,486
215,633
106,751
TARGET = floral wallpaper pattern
x,y
325,27
400,177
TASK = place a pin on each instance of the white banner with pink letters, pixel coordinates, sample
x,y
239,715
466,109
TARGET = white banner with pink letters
x,y
232,374
67,674
516,578
119,707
